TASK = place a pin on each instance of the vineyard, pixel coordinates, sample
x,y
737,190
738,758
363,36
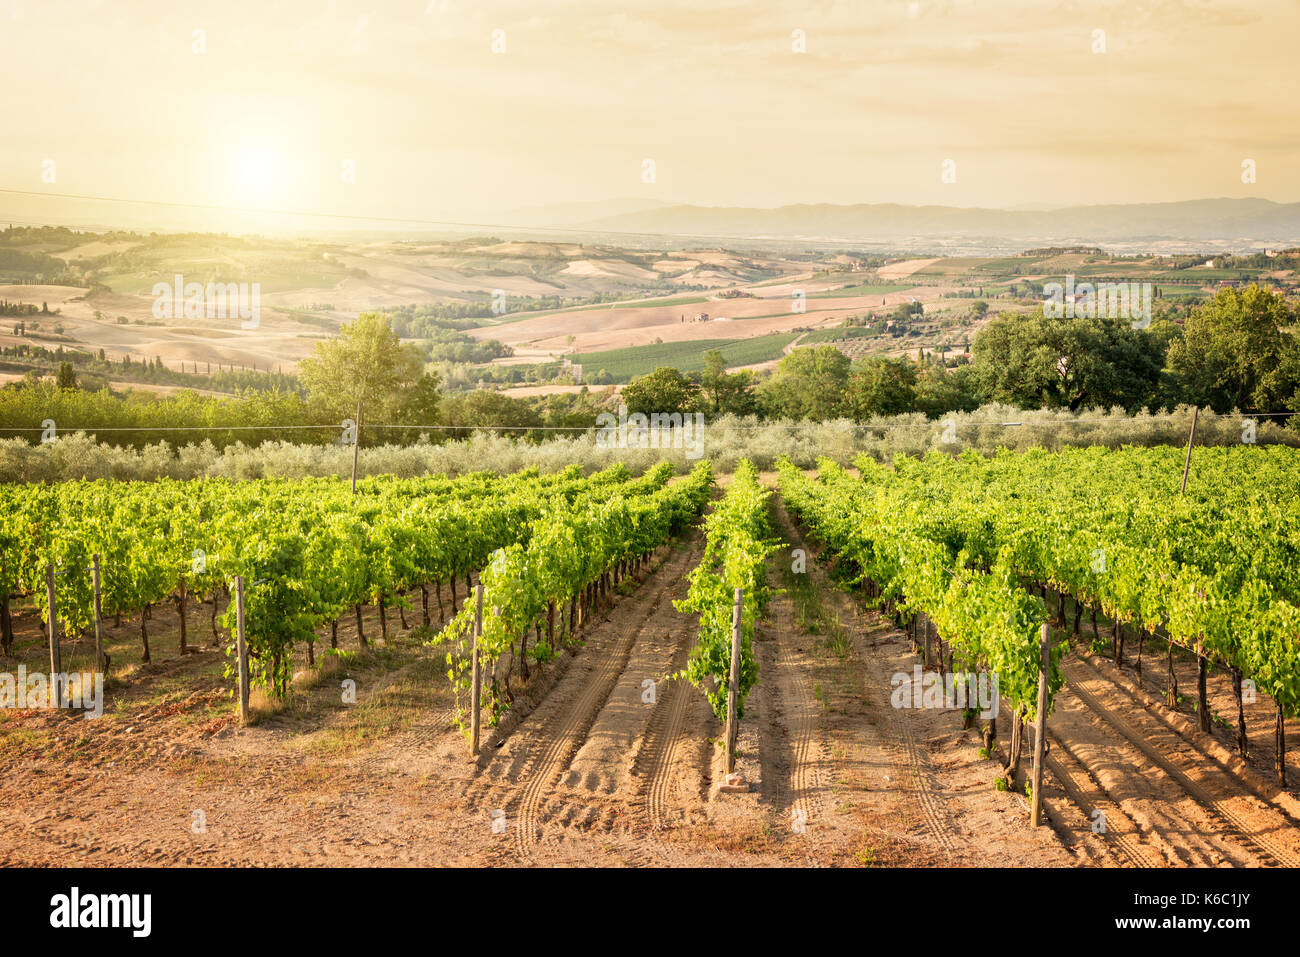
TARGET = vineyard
x,y
735,556
630,638
310,550
575,552
967,541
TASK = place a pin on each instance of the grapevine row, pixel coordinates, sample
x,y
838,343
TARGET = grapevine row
x,y
896,542
309,550
573,552
737,544
1214,570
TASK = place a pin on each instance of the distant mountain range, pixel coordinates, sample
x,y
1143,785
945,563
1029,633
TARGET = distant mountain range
x,y
635,221
569,215
1202,219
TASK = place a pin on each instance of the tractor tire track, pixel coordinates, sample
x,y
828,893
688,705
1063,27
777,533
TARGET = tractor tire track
x,y
655,762
900,741
542,746
1082,788
570,726
1261,827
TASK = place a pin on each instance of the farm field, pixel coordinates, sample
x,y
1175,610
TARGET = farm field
x,y
592,752
624,364
659,299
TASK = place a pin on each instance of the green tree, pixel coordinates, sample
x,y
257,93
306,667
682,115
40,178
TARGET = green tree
x,y
904,311
67,379
367,364
420,404
484,409
881,386
574,409
1237,351
939,391
727,393
1036,361
808,384
665,391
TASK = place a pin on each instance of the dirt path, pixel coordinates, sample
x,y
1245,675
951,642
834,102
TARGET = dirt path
x,y
794,748
793,344
672,766
909,781
581,741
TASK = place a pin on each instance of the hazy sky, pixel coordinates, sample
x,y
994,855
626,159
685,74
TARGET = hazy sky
x,y
436,123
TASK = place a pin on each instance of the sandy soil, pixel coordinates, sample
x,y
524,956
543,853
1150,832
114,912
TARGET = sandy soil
x,y
896,271
615,328
278,341
1165,801
394,274
529,390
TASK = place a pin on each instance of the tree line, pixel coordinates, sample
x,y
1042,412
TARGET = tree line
x,y
1237,351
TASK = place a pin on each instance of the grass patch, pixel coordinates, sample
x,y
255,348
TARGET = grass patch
x,y
862,289
262,706
865,856
811,613
19,742
625,364
387,704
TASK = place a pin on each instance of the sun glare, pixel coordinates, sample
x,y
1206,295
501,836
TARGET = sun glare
x,y
257,174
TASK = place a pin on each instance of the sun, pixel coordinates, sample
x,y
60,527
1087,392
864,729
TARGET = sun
x,y
257,174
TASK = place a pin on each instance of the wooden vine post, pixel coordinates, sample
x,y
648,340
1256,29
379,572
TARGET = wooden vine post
x,y
1191,437
733,688
356,446
99,614
1040,732
241,649
1279,745
55,655
476,683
